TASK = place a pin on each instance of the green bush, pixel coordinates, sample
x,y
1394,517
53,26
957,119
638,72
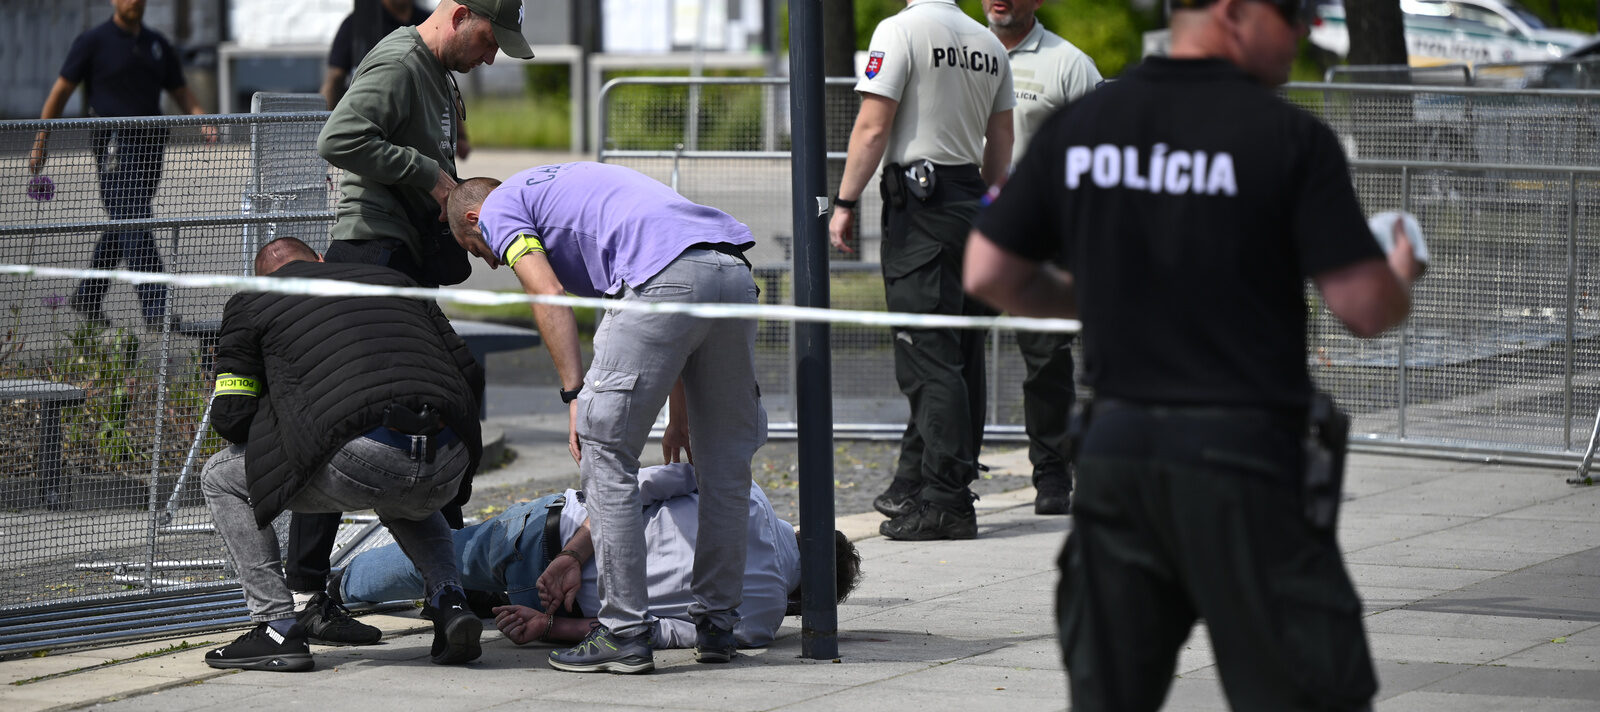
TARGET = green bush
x,y
729,117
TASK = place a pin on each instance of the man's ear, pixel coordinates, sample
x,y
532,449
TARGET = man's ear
x,y
471,215
459,16
319,256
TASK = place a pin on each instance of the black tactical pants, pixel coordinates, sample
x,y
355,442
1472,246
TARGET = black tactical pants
x,y
941,371
1186,513
1047,398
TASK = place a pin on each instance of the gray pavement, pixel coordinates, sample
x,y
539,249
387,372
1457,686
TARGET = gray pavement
x,y
1482,586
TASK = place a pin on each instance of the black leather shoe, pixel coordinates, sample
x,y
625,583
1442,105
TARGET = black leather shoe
x,y
899,500
455,629
1054,494
930,522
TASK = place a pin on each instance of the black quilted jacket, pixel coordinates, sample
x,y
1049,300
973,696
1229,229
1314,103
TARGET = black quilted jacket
x,y
329,366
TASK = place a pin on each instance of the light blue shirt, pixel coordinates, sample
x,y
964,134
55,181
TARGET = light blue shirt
x,y
601,226
771,564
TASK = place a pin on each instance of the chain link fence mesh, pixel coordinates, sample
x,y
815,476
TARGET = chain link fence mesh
x,y
104,387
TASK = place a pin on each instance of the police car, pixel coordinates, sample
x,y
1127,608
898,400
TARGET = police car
x,y
1458,31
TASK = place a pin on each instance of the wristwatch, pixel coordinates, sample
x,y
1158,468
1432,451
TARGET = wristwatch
x,y
572,395
841,202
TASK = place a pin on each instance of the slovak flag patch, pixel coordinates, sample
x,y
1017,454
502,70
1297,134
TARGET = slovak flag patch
x,y
874,63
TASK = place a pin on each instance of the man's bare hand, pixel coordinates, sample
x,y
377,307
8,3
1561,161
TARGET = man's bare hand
x,y
674,439
572,433
558,585
840,227
521,624
441,194
37,156
208,132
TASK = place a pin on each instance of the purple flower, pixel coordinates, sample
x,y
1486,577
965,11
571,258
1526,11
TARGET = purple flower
x,y
55,301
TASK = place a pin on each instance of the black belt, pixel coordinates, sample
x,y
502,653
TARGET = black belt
x,y
552,529
417,447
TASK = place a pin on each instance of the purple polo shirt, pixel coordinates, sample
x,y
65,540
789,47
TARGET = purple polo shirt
x,y
602,226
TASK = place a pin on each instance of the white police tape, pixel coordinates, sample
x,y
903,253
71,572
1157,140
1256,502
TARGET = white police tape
x,y
336,288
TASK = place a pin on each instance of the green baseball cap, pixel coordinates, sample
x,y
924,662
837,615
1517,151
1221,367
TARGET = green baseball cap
x,y
506,17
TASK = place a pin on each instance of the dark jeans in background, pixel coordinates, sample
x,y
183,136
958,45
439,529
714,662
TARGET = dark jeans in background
x,y
128,162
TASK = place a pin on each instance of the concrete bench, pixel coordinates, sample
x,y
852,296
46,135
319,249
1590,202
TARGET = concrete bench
x,y
483,337
51,397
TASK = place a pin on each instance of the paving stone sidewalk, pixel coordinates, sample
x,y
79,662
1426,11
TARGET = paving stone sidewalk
x,y
1482,584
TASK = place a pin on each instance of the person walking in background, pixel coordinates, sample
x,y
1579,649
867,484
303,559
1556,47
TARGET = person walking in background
x,y
124,67
1191,203
1047,73
936,104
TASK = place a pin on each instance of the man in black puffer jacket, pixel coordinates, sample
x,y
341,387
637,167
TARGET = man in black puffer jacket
x,y
336,404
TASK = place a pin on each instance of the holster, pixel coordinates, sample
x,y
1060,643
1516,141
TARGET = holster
x,y
1326,441
893,186
420,426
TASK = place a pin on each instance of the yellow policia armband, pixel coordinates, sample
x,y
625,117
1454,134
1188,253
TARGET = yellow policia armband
x,y
233,384
520,246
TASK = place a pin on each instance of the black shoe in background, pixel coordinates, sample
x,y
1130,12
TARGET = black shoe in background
x,y
328,622
265,649
1054,493
483,603
712,644
930,522
899,500
455,629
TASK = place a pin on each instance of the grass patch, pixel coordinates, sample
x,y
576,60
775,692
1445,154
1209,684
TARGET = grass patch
x,y
174,648
513,314
520,122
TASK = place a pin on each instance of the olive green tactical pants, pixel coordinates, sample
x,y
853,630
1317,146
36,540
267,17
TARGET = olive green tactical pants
x,y
941,371
1194,513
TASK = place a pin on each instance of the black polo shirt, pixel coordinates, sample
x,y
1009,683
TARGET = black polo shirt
x,y
123,73
344,54
1190,202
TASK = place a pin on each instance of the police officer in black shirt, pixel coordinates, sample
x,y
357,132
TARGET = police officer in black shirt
x,y
123,66
1190,203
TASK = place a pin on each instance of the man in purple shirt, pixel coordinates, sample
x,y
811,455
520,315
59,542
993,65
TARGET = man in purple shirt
x,y
593,229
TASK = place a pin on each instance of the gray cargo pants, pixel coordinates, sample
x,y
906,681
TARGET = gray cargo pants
x,y
638,358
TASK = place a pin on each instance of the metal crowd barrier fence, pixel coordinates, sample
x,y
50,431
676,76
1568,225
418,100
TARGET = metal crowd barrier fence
x,y
103,386
1498,360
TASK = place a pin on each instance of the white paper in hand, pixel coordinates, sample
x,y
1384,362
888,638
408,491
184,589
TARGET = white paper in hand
x,y
1382,226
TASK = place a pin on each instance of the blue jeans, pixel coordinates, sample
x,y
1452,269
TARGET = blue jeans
x,y
506,553
128,162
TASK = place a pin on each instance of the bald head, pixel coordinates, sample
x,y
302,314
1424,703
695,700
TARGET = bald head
x,y
282,251
1258,36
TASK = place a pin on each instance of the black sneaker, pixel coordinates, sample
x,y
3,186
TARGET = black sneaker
x,y
328,622
899,500
455,629
600,651
1054,493
265,649
712,644
930,522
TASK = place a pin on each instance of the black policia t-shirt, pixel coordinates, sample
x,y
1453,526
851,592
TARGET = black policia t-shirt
x,y
1190,203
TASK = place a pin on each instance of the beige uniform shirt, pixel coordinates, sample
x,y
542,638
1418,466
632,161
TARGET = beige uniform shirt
x,y
949,74
1048,72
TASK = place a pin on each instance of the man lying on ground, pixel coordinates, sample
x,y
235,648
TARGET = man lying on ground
x,y
517,552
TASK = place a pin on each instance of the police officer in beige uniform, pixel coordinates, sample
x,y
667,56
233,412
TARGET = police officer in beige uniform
x,y
1047,73
936,111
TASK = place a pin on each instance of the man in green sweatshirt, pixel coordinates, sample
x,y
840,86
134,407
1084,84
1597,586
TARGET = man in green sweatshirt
x,y
394,133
